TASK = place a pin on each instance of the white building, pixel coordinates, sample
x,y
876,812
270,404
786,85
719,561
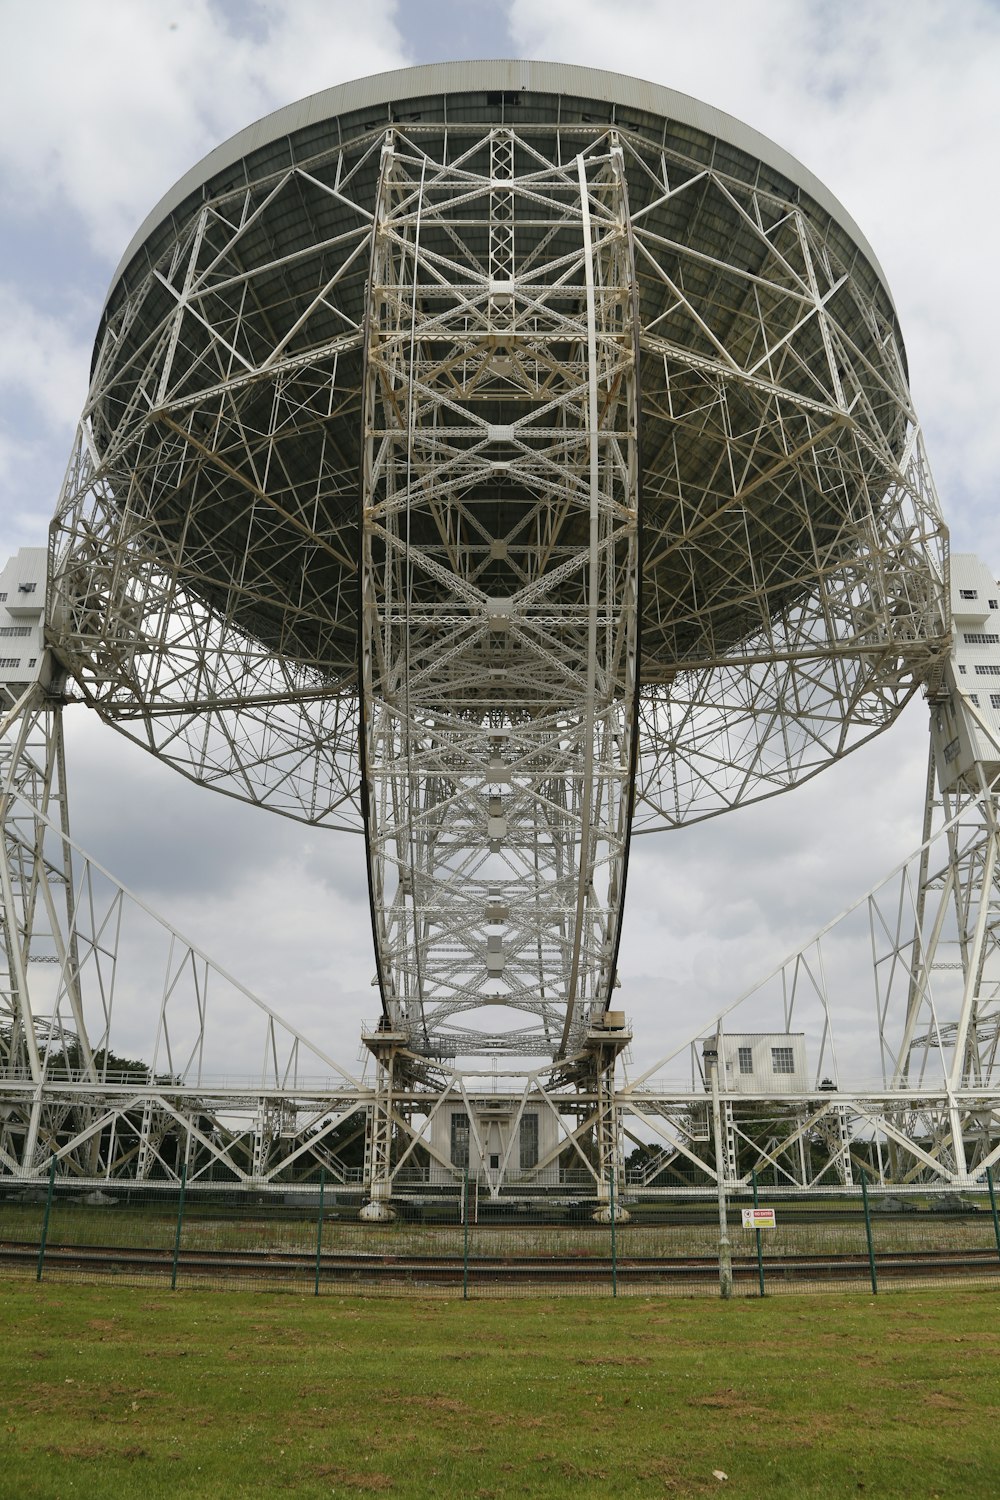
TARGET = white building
x,y
964,737
22,619
759,1062
495,1135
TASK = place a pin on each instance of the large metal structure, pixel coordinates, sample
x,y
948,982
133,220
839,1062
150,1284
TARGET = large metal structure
x,y
496,458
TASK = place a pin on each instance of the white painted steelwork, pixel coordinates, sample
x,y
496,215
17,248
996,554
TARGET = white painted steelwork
x,y
645,530
498,458
499,578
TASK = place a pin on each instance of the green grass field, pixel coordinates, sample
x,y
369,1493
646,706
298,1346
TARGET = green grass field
x,y
120,1392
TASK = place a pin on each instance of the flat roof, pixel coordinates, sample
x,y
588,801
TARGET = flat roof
x,y
500,76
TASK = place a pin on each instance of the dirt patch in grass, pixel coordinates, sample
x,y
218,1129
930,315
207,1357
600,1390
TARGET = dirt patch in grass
x,y
357,1479
668,1475
615,1361
94,1452
731,1401
435,1402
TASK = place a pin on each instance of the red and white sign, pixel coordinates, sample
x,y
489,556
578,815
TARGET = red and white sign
x,y
758,1218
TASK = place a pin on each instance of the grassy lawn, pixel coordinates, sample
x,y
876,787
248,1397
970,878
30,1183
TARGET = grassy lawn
x,y
120,1392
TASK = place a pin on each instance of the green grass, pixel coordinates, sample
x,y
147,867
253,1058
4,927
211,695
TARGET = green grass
x,y
121,1392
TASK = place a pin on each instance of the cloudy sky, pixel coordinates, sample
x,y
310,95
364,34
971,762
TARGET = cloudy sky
x,y
104,103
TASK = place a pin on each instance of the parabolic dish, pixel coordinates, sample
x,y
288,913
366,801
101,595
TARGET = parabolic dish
x,y
545,432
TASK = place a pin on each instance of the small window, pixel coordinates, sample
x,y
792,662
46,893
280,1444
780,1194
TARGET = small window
x,y
459,1140
528,1130
26,588
494,1162
3,597
32,661
995,700
993,603
962,671
974,698
951,750
968,593
783,1059
744,1056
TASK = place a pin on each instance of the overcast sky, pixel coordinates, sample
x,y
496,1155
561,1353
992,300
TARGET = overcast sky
x,y
892,103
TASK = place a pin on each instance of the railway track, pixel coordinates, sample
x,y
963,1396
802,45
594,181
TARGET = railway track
x,y
372,1268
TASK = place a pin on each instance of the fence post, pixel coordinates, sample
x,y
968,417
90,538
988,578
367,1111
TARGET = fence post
x,y
868,1230
725,1249
760,1252
614,1239
465,1237
180,1225
45,1220
993,1206
319,1227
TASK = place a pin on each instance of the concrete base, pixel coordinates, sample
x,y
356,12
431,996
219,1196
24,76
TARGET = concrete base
x,y
603,1215
377,1213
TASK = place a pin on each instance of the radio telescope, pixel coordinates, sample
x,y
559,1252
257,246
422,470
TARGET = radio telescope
x,y
498,459
541,433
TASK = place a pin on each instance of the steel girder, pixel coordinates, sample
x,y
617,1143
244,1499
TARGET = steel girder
x,y
499,727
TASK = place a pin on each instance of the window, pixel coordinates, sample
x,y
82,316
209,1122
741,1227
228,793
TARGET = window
x,y
783,1059
10,661
951,749
744,1057
962,671
528,1141
968,593
26,588
994,603
3,597
32,661
979,638
988,671
459,1140
974,698
995,700
10,630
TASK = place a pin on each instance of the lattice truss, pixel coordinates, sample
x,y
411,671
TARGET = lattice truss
x,y
204,550
499,573
114,1028
898,1005
206,544
793,548
497,338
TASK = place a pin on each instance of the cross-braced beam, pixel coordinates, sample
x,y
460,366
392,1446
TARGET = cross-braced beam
x,y
499,580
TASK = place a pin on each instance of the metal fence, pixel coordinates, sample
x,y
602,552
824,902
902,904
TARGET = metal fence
x,y
465,1245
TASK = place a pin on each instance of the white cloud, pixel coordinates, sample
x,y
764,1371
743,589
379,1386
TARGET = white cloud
x,y
103,106
44,358
893,105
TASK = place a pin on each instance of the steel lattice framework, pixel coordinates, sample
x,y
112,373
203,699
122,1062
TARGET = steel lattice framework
x,y
499,660
493,460
645,527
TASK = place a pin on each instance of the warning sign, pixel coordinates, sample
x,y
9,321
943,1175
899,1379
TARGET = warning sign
x,y
758,1218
